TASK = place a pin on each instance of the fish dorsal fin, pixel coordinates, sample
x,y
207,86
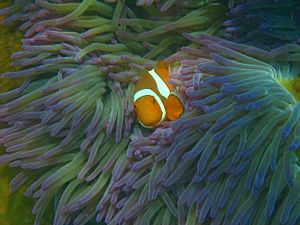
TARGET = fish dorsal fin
x,y
163,69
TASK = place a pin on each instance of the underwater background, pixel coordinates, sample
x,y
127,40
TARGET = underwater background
x,y
72,150
14,207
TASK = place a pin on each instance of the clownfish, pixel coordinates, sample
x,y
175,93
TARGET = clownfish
x,y
154,98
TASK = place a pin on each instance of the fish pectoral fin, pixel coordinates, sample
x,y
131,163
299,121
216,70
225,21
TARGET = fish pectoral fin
x,y
174,107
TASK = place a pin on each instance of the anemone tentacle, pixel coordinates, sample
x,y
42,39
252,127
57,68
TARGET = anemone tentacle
x,y
234,155
238,156
230,159
266,24
68,123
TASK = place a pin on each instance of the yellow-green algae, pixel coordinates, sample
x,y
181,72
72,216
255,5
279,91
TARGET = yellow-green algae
x,y
10,41
13,207
293,86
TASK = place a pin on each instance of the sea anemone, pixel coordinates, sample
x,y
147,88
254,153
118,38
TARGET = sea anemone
x,y
266,24
246,165
232,158
68,124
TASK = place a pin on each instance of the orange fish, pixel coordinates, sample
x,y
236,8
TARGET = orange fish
x,y
154,99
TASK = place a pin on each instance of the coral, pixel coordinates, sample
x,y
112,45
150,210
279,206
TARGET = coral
x,y
266,24
68,124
